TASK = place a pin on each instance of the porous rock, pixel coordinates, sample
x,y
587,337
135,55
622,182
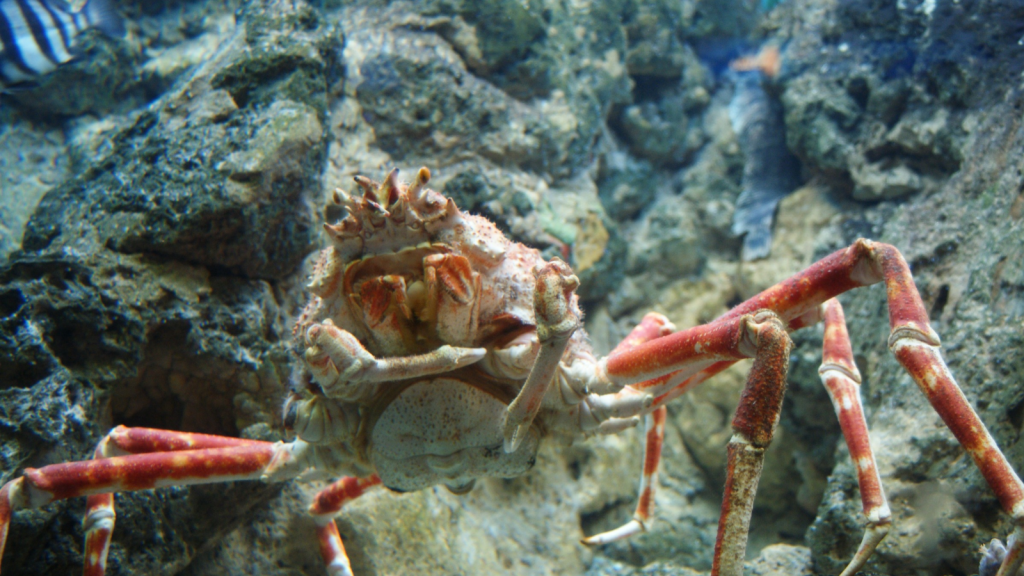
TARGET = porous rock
x,y
151,288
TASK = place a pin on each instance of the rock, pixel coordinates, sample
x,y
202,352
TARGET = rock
x,y
166,159
100,79
818,114
936,494
291,130
418,92
627,186
31,163
776,560
669,235
912,138
664,131
711,184
502,526
662,123
494,35
782,560
138,296
875,116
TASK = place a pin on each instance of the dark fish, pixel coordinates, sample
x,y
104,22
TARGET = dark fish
x,y
37,36
770,171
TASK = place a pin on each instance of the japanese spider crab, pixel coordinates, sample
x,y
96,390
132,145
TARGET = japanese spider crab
x,y
438,351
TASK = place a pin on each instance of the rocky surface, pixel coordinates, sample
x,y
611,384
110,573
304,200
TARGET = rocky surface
x,y
153,285
155,281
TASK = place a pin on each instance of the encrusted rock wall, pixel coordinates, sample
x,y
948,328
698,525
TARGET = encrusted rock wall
x,y
155,281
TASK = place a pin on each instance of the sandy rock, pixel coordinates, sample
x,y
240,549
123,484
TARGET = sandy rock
x,y
31,164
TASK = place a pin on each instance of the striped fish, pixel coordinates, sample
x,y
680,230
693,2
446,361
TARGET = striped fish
x,y
37,36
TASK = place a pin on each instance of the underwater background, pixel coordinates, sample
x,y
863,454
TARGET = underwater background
x,y
161,193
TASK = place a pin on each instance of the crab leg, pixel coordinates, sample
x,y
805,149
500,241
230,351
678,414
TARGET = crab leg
x,y
842,380
680,386
916,347
912,341
556,323
98,523
654,435
680,355
753,427
796,301
652,326
763,336
674,384
249,460
100,515
325,505
339,362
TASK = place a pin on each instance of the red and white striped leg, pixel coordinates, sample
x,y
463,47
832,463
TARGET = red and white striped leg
x,y
842,380
652,326
753,428
100,514
916,347
325,505
694,355
98,525
247,460
654,435
797,301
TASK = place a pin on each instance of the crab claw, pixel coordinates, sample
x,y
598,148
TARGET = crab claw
x,y
339,362
557,320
